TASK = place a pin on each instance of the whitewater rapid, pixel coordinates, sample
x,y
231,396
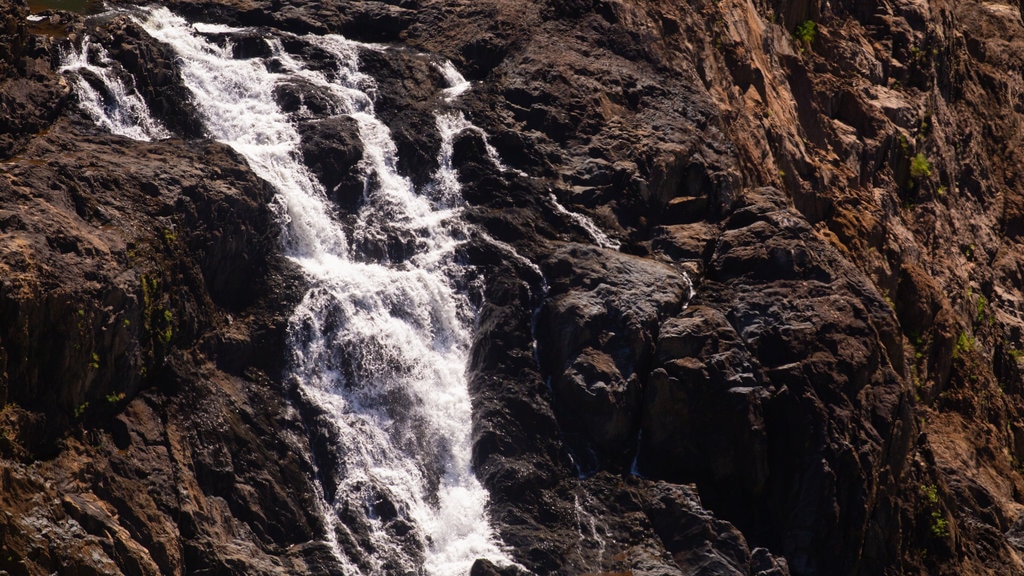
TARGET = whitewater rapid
x,y
380,341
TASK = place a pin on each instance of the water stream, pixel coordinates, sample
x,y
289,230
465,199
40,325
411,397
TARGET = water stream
x,y
104,95
380,341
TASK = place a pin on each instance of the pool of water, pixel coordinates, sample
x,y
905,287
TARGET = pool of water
x,y
79,6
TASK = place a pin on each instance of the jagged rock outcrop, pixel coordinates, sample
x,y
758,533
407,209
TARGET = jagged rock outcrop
x,y
142,307
844,344
836,181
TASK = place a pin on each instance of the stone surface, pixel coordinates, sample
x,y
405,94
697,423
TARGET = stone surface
x,y
840,394
332,150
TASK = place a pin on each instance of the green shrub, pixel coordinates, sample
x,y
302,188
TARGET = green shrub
x,y
939,526
920,167
806,31
964,344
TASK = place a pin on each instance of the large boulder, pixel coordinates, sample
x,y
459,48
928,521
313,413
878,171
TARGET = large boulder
x,y
596,335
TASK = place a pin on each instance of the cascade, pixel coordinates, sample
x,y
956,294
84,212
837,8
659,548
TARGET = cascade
x,y
380,340
104,97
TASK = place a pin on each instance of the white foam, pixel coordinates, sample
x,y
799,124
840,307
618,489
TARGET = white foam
x,y
380,341
457,83
118,108
581,220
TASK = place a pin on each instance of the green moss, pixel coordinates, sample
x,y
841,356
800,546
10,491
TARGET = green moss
x,y
167,333
930,493
157,321
939,526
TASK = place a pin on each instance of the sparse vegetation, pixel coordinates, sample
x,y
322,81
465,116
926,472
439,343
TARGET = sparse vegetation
x,y
979,308
157,321
964,344
806,31
920,167
888,299
168,332
939,526
919,345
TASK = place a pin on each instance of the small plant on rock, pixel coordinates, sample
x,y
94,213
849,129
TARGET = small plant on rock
x,y
806,31
939,526
114,398
964,344
920,167
981,314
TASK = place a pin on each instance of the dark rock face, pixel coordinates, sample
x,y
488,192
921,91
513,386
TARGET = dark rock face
x,y
142,304
31,96
804,359
154,74
162,395
596,338
332,150
821,386
406,97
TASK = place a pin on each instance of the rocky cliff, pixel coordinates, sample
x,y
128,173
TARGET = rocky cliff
x,y
794,349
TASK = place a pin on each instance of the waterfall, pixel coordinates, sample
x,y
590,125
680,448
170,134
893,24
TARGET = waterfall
x,y
380,340
104,97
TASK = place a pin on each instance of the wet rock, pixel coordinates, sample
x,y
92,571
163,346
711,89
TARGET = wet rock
x,y
703,409
833,390
488,568
418,142
596,338
407,91
701,543
149,260
302,99
155,75
333,151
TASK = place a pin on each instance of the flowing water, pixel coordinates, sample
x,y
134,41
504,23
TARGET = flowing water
x,y
380,341
104,96
584,222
